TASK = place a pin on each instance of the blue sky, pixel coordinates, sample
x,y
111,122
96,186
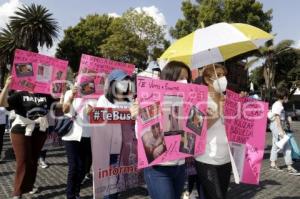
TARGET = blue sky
x,y
286,14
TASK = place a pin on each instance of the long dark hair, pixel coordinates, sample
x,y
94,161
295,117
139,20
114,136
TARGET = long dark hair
x,y
173,69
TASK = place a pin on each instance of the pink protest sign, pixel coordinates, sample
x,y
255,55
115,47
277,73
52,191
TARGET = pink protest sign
x,y
38,73
93,72
172,123
245,121
114,150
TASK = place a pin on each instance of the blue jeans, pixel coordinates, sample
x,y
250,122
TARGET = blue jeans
x,y
165,182
287,152
77,152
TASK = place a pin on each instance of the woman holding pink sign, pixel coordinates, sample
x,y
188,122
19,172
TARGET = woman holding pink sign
x,y
166,180
214,166
28,134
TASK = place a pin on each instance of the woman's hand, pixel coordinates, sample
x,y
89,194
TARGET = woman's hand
x,y
74,91
134,109
8,81
89,109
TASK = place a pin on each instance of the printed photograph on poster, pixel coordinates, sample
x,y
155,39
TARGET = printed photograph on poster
x,y
24,70
238,154
153,141
87,88
58,75
44,73
58,87
151,112
187,143
102,80
27,84
195,120
172,110
85,70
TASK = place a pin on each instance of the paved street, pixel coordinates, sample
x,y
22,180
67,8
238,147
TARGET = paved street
x,y
52,181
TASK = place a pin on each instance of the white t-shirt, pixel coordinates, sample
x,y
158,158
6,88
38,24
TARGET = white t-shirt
x,y
217,150
81,126
277,109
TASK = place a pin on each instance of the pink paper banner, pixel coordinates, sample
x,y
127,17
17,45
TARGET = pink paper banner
x,y
93,72
114,149
171,123
38,73
246,121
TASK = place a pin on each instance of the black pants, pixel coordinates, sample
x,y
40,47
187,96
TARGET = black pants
x,y
2,131
77,152
215,179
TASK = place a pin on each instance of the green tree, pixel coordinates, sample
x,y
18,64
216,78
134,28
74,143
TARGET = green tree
x,y
134,38
8,44
189,23
34,26
208,12
86,37
30,27
124,45
280,66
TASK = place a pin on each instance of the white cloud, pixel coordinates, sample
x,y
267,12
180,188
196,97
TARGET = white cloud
x,y
113,14
153,12
49,51
7,9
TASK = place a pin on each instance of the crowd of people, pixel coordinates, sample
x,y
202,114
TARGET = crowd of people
x,y
29,131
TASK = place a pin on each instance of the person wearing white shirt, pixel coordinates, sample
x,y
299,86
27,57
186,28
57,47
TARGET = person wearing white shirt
x,y
277,127
166,180
214,166
77,140
117,95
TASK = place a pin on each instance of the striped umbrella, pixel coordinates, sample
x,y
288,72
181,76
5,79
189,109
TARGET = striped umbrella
x,y
215,43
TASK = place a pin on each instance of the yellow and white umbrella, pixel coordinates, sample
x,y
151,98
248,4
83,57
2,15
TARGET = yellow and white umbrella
x,y
215,43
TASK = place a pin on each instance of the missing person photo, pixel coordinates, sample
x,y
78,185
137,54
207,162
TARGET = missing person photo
x,y
195,120
24,70
153,141
44,73
26,84
150,112
58,75
187,143
87,88
172,115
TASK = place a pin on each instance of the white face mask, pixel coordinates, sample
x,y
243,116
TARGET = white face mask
x,y
122,86
220,84
183,81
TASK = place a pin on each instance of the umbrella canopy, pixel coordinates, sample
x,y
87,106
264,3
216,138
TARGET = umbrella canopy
x,y
215,43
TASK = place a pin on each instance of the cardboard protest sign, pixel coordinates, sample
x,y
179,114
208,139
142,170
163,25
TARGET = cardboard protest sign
x,y
114,149
171,123
93,72
38,73
245,122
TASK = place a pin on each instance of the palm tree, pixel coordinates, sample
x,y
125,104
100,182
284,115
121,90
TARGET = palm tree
x,y
35,27
279,66
8,44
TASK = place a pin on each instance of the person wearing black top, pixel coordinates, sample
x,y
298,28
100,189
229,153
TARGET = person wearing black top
x,y
28,134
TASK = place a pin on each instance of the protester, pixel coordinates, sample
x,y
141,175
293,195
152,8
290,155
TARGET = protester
x,y
2,127
77,140
278,126
166,180
28,134
118,94
214,167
